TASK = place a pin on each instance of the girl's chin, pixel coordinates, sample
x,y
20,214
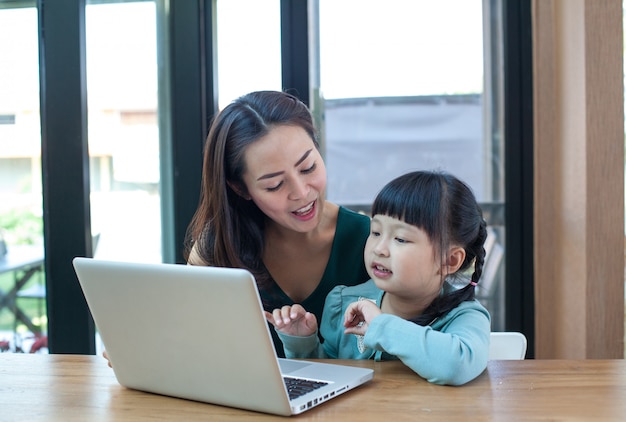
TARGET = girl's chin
x,y
380,283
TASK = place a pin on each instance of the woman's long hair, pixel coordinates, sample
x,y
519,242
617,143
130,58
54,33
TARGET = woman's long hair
x,y
228,230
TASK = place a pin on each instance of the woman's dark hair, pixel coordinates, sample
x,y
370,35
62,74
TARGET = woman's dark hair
x,y
228,230
446,209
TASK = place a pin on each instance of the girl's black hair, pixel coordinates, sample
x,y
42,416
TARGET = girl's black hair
x,y
446,209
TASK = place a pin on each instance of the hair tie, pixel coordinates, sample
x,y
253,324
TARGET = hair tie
x,y
473,283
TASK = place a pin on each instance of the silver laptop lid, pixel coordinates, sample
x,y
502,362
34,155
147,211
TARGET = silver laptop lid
x,y
197,333
162,339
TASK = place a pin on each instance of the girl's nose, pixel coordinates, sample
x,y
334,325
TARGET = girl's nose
x,y
380,249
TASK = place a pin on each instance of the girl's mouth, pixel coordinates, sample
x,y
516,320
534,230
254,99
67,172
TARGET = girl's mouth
x,y
380,271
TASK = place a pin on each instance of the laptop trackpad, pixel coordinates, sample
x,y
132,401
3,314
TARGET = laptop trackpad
x,y
288,366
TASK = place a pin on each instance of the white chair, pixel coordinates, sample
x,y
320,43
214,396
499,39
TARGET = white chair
x,y
508,345
489,280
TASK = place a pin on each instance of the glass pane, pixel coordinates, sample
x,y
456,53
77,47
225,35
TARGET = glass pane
x,y
123,130
404,48
402,89
248,47
23,322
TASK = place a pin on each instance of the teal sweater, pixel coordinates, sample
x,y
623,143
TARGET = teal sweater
x,y
451,350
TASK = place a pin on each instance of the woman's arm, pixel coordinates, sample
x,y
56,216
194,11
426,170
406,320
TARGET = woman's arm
x,y
195,258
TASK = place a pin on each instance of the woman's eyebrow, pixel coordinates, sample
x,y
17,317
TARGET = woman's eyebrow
x,y
278,173
306,154
270,175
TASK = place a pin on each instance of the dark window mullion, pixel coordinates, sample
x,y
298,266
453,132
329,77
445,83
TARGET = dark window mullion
x,y
295,48
65,162
193,102
518,127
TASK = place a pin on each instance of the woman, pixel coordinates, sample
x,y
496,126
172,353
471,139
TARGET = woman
x,y
263,206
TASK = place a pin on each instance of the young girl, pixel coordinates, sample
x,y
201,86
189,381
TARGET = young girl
x,y
426,240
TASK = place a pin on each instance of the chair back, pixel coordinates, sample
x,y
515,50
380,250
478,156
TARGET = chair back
x,y
508,345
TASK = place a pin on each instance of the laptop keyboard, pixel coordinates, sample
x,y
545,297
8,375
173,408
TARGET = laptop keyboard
x,y
297,387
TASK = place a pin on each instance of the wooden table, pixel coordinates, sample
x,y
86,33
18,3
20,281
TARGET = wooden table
x,y
82,388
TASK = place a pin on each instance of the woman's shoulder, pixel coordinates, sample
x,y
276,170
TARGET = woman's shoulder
x,y
351,231
350,215
350,221
195,258
345,264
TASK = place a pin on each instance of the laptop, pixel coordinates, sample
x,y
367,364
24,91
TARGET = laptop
x,y
199,333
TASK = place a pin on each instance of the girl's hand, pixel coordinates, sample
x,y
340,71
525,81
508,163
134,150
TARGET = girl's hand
x,y
293,320
358,316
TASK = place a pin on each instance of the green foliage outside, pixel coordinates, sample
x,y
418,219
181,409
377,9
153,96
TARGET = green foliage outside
x,y
34,308
21,227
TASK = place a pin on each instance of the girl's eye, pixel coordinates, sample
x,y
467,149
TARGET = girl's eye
x,y
400,240
310,169
274,188
375,233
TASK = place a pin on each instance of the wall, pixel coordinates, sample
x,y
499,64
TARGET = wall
x,y
579,178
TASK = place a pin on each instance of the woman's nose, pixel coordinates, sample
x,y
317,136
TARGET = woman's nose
x,y
299,190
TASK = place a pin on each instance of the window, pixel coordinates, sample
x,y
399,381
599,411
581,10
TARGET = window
x,y
123,130
408,87
248,47
21,223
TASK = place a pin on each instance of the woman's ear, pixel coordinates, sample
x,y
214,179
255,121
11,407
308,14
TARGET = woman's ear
x,y
455,258
240,190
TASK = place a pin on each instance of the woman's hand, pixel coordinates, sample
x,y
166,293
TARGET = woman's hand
x,y
293,320
104,353
358,316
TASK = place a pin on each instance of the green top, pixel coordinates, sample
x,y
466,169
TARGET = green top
x,y
345,267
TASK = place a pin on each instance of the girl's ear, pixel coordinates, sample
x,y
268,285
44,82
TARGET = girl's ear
x,y
455,259
239,190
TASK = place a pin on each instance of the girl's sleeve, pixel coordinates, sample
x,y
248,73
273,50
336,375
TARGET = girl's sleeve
x,y
331,328
455,355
